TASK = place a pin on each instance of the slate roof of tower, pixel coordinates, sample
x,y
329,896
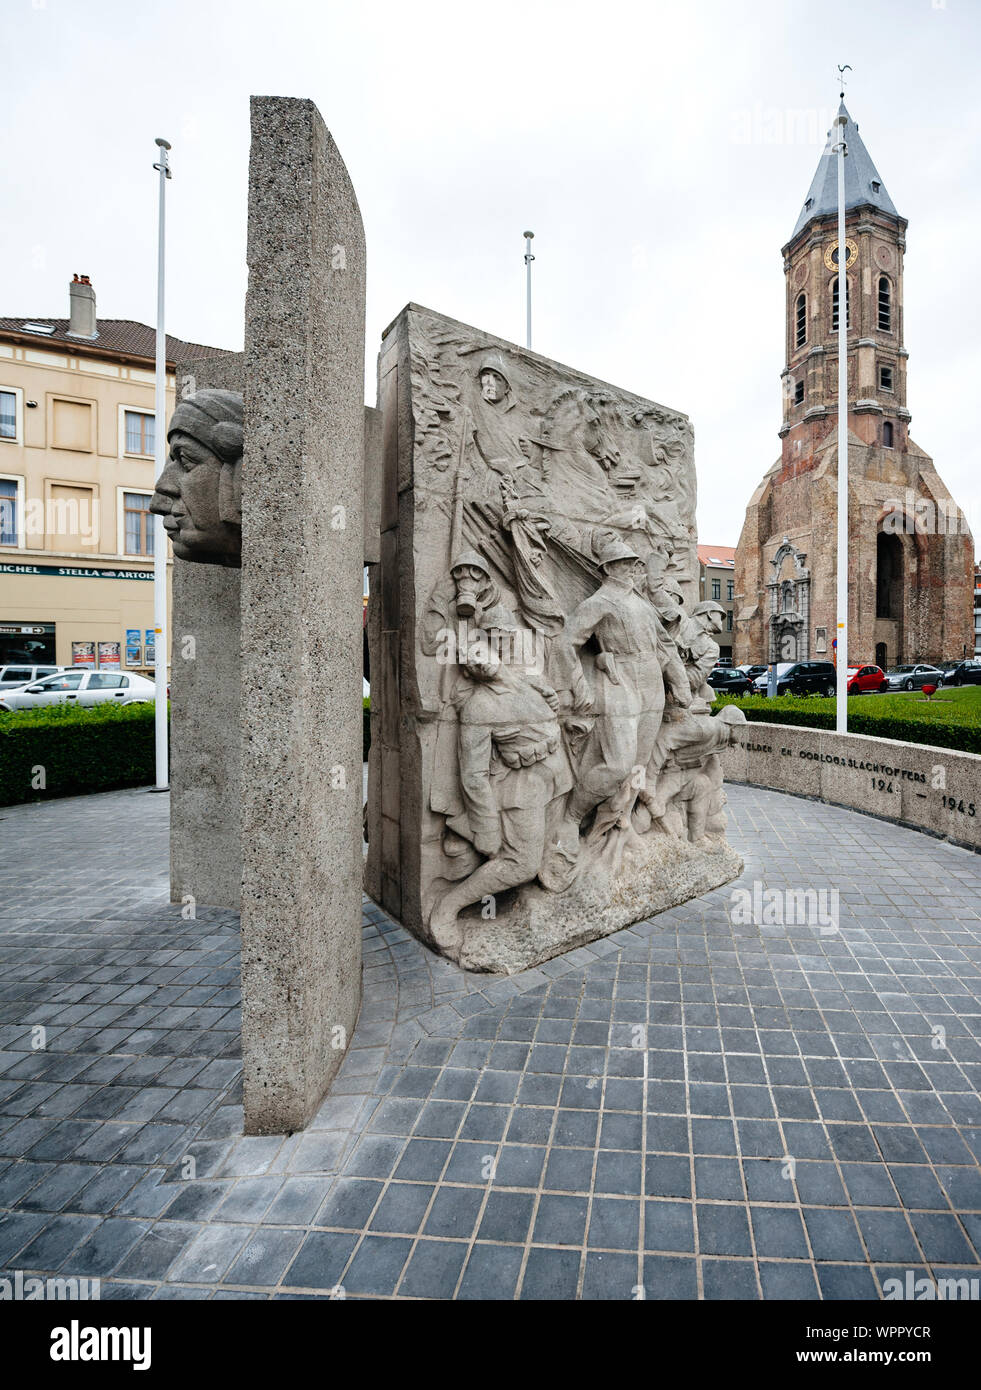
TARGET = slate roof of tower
x,y
863,183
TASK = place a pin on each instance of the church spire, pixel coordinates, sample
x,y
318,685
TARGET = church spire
x,y
863,185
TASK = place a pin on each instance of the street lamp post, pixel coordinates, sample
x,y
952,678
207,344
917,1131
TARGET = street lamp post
x,y
160,456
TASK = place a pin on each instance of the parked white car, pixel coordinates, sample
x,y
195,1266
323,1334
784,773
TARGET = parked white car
x,y
22,673
75,687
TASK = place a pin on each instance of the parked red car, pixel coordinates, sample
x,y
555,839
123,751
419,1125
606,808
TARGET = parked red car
x,y
863,679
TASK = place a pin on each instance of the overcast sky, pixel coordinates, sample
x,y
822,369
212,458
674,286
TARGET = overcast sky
x,y
660,152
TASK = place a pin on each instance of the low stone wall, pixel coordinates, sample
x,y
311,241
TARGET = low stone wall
x,y
932,789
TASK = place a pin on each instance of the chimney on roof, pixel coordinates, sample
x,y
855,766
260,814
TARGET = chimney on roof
x,y
81,300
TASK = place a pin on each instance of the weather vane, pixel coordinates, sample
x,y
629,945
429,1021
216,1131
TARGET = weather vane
x,y
841,78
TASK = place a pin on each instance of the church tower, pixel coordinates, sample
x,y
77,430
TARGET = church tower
x,y
911,552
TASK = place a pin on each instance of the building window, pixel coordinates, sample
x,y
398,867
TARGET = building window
x,y
799,393
834,307
885,378
139,523
730,585
8,415
139,432
885,305
801,331
8,512
887,434
716,588
729,621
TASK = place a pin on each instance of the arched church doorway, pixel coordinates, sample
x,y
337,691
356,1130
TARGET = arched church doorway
x,y
881,655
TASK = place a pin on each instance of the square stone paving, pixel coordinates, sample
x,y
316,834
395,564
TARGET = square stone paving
x,y
694,1107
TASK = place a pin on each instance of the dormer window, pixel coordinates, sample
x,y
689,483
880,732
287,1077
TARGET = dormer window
x,y
876,185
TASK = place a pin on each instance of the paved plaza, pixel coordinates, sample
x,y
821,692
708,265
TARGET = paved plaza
x,y
699,1106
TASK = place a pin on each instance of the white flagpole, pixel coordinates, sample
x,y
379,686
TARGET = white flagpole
x,y
160,458
528,260
841,714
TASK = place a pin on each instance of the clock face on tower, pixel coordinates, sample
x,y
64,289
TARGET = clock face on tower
x,y
831,254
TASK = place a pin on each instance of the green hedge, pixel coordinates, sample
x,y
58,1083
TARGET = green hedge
x,y
75,751
952,719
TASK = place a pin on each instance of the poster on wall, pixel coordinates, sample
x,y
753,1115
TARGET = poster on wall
x,y
83,654
109,656
134,646
150,655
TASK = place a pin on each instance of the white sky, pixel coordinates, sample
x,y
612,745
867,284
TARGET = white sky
x,y
661,153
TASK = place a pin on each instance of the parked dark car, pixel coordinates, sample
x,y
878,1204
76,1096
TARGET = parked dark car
x,y
753,671
914,677
729,680
801,678
962,672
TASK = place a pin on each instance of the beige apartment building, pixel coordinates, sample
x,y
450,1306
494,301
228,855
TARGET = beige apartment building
x,y
716,580
76,478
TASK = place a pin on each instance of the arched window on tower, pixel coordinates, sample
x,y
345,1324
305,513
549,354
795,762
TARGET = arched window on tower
x,y
834,306
887,434
801,320
885,304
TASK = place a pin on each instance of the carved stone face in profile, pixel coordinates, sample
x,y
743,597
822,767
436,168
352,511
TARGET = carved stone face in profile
x,y
710,617
199,493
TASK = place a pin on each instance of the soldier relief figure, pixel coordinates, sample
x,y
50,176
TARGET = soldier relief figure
x,y
567,654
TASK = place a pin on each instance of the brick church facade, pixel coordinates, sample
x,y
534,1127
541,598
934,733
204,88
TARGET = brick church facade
x,y
911,554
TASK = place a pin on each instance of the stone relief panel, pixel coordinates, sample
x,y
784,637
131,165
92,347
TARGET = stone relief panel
x,y
568,768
